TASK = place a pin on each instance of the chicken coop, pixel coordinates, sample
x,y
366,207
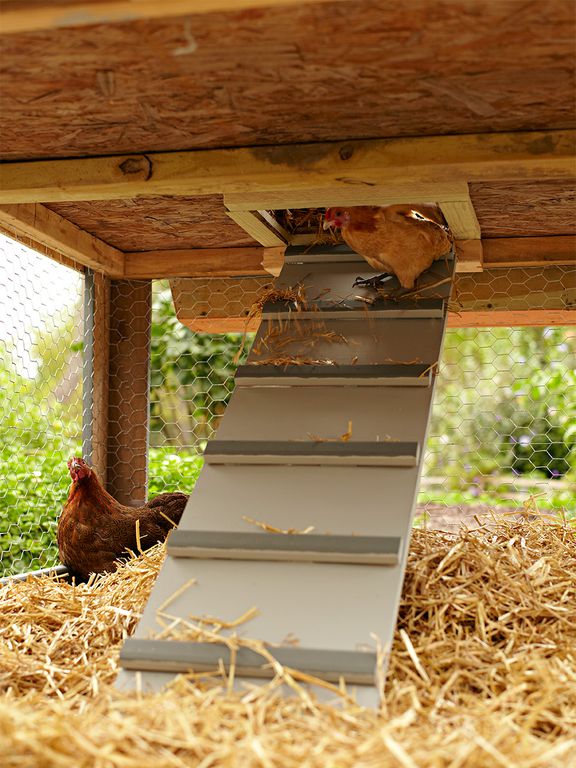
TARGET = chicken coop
x,y
165,171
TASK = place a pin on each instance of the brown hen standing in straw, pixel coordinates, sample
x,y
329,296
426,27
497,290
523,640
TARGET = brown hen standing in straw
x,y
94,530
402,239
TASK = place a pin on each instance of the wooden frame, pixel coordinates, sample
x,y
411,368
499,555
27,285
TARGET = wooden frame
x,y
48,229
400,168
21,16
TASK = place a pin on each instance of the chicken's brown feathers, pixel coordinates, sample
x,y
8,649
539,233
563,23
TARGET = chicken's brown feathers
x,y
401,239
95,530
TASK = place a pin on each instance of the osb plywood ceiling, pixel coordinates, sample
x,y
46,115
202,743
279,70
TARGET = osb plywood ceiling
x,y
517,209
305,73
157,223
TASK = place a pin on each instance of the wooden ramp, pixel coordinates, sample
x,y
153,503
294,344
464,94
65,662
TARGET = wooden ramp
x,y
284,455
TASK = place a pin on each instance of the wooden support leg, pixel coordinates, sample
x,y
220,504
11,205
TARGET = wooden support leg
x,y
100,374
128,390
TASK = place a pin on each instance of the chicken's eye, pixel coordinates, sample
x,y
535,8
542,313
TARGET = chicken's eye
x,y
338,212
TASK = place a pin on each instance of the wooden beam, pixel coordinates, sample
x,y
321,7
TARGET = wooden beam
x,y
128,391
469,256
21,16
410,162
346,195
204,262
461,218
257,227
100,375
529,251
511,318
49,229
30,242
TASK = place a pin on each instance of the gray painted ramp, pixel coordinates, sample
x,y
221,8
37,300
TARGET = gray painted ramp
x,y
328,440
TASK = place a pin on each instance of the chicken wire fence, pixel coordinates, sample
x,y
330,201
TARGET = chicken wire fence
x,y
503,428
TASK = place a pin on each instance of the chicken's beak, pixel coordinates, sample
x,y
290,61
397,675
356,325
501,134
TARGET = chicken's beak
x,y
326,225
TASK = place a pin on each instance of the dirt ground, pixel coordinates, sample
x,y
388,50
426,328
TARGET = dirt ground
x,y
451,518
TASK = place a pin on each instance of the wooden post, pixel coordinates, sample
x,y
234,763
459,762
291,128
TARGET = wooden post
x,y
128,390
100,374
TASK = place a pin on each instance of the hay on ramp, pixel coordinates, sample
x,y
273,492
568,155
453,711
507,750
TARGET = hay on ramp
x,y
482,672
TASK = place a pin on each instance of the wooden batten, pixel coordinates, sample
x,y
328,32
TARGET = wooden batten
x,y
128,390
204,262
469,256
262,230
24,16
429,161
503,252
461,218
100,375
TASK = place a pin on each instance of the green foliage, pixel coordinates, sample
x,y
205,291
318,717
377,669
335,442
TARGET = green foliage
x,y
169,471
32,493
191,376
505,402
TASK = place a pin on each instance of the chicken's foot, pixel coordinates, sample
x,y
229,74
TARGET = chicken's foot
x,y
372,282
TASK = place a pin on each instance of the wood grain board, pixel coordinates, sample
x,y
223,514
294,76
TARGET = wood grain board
x,y
312,72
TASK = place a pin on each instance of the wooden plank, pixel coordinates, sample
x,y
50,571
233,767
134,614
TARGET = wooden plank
x,y
469,256
306,72
316,197
257,227
22,16
429,160
461,218
204,262
48,228
101,374
534,207
529,251
128,410
510,318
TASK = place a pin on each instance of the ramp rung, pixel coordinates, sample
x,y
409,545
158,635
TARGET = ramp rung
x,y
315,548
412,375
353,453
329,310
356,667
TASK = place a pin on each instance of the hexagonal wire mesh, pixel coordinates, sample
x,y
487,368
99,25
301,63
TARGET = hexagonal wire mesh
x,y
503,426
40,401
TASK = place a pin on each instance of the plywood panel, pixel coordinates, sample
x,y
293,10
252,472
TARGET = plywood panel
x,y
523,208
157,223
367,68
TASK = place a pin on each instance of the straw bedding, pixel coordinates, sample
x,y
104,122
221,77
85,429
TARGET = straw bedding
x,y
482,672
